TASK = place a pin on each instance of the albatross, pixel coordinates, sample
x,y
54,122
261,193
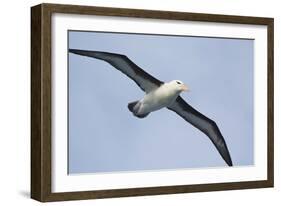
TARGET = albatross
x,y
160,95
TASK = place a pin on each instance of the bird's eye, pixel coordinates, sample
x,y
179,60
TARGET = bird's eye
x,y
178,82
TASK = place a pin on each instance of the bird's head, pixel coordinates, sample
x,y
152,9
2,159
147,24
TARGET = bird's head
x,y
179,86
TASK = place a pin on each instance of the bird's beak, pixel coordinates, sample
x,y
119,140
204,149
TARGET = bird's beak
x,y
185,88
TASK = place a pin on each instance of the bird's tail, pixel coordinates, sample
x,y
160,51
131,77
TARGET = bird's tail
x,y
132,105
134,108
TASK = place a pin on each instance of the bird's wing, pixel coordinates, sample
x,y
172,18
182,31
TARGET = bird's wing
x,y
121,62
203,123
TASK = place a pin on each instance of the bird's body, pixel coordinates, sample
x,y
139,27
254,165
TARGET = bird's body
x,y
160,95
158,98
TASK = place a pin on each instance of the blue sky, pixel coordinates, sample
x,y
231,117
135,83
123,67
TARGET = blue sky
x,y
105,137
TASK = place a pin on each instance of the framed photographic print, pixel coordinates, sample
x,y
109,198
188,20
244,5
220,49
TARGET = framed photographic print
x,y
130,102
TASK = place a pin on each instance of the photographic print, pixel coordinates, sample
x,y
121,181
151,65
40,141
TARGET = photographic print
x,y
129,102
142,102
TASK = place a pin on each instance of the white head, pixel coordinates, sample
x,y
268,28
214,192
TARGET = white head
x,y
179,86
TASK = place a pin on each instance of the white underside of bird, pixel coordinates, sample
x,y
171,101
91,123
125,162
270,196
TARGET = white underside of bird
x,y
157,99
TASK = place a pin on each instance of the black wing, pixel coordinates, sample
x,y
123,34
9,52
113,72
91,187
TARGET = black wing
x,y
203,123
121,62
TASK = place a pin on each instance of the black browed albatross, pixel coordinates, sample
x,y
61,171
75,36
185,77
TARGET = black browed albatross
x,y
158,95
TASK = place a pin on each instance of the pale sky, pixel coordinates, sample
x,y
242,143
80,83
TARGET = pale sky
x,y
105,137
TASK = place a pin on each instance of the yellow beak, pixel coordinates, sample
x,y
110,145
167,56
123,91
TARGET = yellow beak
x,y
185,88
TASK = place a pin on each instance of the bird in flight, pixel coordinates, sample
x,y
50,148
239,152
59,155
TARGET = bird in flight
x,y
159,95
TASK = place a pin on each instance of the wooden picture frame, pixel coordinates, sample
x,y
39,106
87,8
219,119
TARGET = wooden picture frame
x,y
41,101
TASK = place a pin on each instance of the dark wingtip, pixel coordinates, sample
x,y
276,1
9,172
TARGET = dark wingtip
x,y
84,53
230,163
228,160
75,51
